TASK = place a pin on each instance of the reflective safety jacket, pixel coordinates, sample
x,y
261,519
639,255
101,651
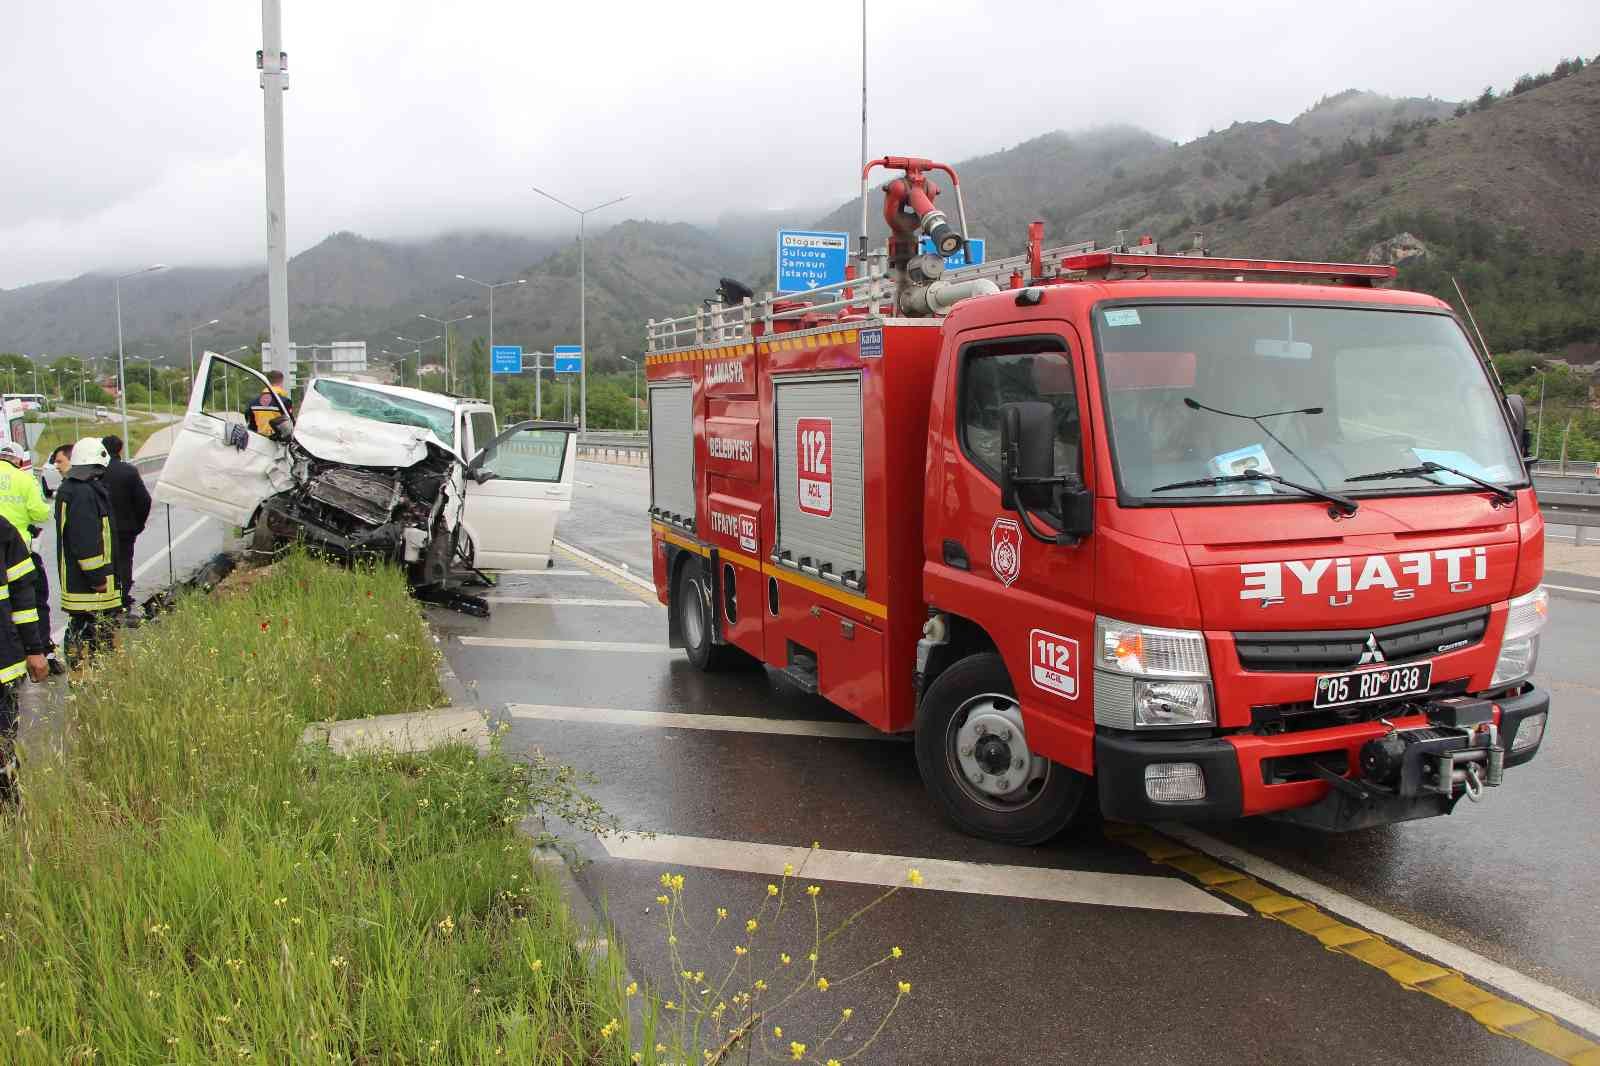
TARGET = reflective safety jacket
x,y
85,543
21,634
22,500
265,411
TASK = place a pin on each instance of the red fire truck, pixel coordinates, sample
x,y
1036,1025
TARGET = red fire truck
x,y
1212,537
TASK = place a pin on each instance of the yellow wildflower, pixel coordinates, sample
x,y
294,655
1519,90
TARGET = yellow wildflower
x,y
813,890
788,869
772,890
663,900
632,989
760,986
784,958
914,875
751,926
740,949
797,1050
895,952
722,913
447,925
822,984
905,988
777,1032
536,965
845,1014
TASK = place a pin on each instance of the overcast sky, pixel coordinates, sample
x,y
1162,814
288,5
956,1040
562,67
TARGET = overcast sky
x,y
131,132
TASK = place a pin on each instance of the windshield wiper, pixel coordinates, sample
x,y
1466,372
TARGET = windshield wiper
x,y
1501,492
1344,504
1195,405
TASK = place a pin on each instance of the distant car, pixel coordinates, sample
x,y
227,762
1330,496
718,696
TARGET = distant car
x,y
102,414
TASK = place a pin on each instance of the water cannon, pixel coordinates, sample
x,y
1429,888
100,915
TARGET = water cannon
x,y
910,211
911,214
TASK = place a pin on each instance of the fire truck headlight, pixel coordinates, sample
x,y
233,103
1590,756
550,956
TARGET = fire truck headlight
x,y
1519,647
1148,651
1172,703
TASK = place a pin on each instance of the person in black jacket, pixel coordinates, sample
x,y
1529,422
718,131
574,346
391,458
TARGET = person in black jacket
x,y
130,509
22,648
86,552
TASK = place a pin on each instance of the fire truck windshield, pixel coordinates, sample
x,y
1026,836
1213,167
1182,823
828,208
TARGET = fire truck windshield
x,y
1319,395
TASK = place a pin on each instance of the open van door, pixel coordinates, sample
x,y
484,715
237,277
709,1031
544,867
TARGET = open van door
x,y
521,483
217,466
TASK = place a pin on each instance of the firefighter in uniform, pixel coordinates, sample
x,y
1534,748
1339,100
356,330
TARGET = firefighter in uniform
x,y
22,647
86,546
264,410
22,503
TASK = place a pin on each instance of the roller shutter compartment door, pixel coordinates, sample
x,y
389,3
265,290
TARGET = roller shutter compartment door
x,y
819,473
672,451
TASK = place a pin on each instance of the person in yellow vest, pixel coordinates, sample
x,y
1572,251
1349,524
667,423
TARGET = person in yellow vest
x,y
86,546
21,650
22,504
272,404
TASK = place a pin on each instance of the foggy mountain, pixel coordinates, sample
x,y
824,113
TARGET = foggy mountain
x,y
1306,188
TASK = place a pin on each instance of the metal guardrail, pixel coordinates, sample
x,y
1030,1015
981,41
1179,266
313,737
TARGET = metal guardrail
x,y
1581,510
623,454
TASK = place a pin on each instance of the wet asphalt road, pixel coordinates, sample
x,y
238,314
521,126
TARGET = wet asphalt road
x,y
1012,973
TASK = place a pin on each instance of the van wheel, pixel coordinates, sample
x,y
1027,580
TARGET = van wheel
x,y
691,598
975,762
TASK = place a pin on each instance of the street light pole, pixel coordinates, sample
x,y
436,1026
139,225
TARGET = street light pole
x,y
583,319
635,365
491,288
419,344
449,366
122,384
191,331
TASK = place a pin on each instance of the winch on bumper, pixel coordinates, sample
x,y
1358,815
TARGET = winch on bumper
x,y
1415,765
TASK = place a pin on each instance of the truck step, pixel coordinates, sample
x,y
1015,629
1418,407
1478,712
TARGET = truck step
x,y
802,668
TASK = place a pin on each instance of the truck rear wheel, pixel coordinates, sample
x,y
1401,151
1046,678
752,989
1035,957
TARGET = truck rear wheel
x,y
691,598
976,764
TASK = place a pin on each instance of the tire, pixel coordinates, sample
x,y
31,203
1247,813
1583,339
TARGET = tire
x,y
691,598
969,723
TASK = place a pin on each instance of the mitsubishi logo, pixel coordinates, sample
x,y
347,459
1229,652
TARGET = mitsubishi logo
x,y
1373,654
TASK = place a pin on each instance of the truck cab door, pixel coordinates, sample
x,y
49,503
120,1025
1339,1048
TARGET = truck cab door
x,y
217,466
519,485
1035,600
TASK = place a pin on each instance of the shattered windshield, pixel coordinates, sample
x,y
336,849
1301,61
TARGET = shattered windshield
x,y
382,407
1317,395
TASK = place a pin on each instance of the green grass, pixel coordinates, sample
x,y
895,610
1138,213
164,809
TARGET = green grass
x,y
188,883
64,429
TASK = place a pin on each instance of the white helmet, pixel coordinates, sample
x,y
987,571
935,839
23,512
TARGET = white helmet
x,y
90,451
16,454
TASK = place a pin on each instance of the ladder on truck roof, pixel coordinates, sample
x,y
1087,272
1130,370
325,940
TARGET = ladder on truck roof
x,y
716,323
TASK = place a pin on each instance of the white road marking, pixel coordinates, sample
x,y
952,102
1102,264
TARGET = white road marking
x,y
565,601
1573,588
620,571
547,573
1535,993
162,554
725,723
946,875
566,645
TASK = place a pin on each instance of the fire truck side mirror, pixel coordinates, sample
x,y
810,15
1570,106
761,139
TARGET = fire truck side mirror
x,y
1519,420
1027,447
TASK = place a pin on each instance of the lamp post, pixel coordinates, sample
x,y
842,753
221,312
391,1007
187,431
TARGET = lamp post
x,y
491,288
449,367
122,385
1538,433
419,344
191,331
635,366
583,323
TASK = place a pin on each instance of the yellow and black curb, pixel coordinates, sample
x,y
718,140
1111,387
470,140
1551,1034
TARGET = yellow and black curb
x,y
1499,1015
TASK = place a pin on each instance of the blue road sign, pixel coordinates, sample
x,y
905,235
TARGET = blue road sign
x,y
972,255
569,359
505,359
807,259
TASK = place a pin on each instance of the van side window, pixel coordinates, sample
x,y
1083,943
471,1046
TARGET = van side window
x,y
995,373
482,425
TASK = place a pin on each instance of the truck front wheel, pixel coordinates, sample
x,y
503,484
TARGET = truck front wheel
x,y
975,761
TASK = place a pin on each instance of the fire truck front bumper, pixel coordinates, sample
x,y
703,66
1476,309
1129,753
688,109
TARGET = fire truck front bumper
x,y
1421,765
